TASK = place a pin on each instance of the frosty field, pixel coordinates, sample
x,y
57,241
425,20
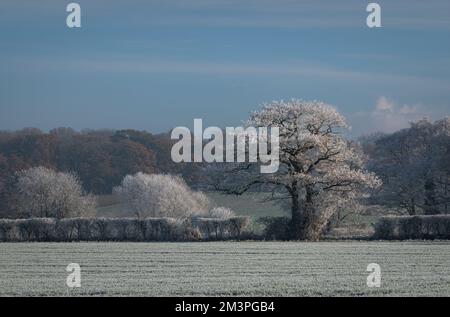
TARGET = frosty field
x,y
226,268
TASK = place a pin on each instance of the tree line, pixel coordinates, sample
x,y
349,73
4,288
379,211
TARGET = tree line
x,y
414,165
322,171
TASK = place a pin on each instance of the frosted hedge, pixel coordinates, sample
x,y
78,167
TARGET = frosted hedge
x,y
413,227
121,229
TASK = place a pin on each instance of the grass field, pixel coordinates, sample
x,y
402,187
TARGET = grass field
x,y
252,205
226,268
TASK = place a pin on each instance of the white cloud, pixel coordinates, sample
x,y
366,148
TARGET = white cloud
x,y
387,116
407,110
383,104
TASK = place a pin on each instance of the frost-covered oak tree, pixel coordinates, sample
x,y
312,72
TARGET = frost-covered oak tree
x,y
43,192
160,195
319,168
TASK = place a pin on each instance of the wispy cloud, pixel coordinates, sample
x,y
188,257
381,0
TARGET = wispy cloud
x,y
388,116
403,14
297,68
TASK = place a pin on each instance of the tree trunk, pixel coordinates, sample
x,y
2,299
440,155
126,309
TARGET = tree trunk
x,y
430,198
413,208
310,226
445,196
296,214
302,216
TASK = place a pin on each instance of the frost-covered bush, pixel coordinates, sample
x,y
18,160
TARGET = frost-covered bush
x,y
221,213
71,229
161,195
413,227
37,229
121,229
221,229
43,192
276,228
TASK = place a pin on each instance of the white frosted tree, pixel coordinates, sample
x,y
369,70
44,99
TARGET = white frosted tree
x,y
161,195
42,192
319,168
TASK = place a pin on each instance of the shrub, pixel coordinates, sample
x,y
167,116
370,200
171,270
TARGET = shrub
x,y
37,229
221,213
413,227
42,192
7,230
276,228
159,195
165,229
72,229
121,229
220,229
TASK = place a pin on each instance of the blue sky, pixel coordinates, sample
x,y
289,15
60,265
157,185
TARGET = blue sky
x,y
155,65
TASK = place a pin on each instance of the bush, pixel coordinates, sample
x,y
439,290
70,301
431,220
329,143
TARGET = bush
x,y
159,195
220,229
121,229
74,229
42,192
276,228
221,213
413,227
8,230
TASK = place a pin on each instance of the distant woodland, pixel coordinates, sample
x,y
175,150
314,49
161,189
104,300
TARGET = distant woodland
x,y
100,158
413,163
